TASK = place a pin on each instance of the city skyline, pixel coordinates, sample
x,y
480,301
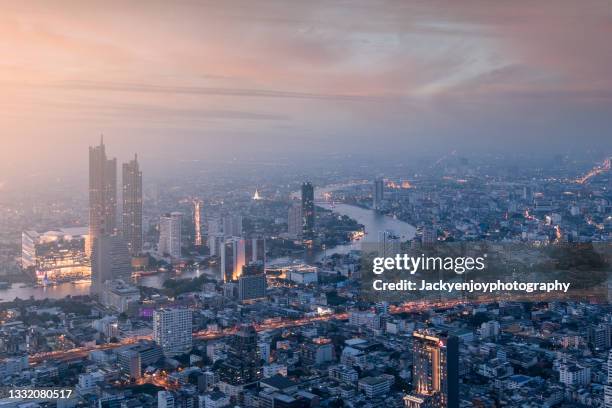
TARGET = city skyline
x,y
344,204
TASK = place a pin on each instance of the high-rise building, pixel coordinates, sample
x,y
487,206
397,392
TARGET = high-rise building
x,y
232,225
378,194
170,234
388,244
255,250
243,364
215,243
608,386
197,222
55,256
233,258
252,282
308,213
102,193
172,330
435,374
132,205
110,260
429,236
294,221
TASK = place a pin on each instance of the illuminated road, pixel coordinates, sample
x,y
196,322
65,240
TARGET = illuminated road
x,y
82,352
270,324
605,166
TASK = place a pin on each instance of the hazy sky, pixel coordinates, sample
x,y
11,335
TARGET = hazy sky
x,y
211,79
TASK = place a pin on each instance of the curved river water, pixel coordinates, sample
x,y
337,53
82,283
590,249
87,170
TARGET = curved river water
x,y
373,223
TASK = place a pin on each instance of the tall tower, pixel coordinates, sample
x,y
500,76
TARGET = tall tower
x,y
294,221
170,234
233,253
378,194
308,212
435,368
243,365
132,205
197,221
102,193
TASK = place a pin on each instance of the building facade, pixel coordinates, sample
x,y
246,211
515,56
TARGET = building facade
x,y
132,206
172,330
170,230
102,193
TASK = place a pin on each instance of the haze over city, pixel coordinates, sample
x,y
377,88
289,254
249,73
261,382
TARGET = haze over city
x,y
266,80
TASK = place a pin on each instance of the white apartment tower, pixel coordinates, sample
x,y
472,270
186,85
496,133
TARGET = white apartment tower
x,y
170,234
172,330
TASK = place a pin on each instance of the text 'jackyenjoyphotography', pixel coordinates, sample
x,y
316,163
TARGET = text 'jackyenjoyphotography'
x,y
471,286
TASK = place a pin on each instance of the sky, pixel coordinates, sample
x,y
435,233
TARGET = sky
x,y
239,79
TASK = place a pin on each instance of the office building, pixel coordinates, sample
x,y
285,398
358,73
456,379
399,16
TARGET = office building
x,y
436,368
318,351
374,387
197,222
378,194
388,244
102,193
110,260
132,206
255,250
172,330
56,256
130,364
232,254
252,282
243,365
119,295
170,230
215,242
294,221
308,213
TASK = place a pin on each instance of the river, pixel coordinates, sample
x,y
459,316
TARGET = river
x,y
373,223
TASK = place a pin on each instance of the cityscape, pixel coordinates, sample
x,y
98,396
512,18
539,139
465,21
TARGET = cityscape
x,y
206,238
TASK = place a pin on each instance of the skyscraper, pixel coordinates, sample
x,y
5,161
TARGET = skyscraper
x,y
197,222
110,260
233,253
255,250
102,193
172,330
435,369
308,212
132,205
243,365
378,194
294,221
170,234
